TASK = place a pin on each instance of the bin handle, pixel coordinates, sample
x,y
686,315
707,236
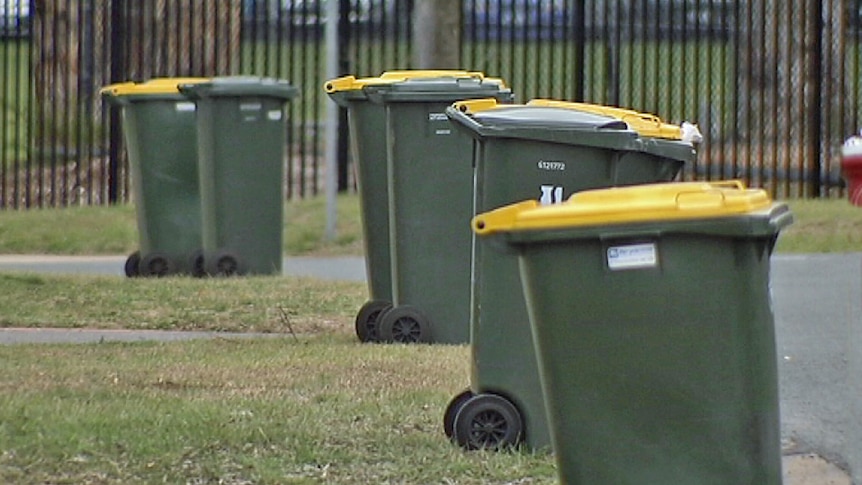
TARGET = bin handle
x,y
457,115
502,219
473,106
344,83
713,197
731,184
700,200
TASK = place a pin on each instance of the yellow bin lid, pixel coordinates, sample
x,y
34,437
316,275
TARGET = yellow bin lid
x,y
644,124
621,205
163,85
351,83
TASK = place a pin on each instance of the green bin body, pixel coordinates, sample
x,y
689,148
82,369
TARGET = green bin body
x,y
242,132
430,186
160,135
544,153
366,122
654,333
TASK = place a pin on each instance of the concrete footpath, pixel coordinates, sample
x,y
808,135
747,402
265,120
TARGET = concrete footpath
x,y
817,302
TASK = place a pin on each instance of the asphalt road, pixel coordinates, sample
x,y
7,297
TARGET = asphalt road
x,y
817,302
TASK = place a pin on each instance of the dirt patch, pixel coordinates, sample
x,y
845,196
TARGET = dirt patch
x,y
811,469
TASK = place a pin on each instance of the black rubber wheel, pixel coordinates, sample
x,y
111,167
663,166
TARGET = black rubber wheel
x,y
155,264
197,264
488,422
224,264
405,325
368,320
452,409
133,265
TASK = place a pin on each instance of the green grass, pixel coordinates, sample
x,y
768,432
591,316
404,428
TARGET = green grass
x,y
113,230
820,226
313,406
319,409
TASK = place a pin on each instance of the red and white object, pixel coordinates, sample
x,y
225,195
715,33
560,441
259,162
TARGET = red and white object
x,y
851,168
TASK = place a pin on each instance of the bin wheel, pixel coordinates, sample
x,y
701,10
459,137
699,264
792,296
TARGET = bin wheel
x,y
452,409
132,267
368,320
488,422
197,264
405,325
155,264
226,264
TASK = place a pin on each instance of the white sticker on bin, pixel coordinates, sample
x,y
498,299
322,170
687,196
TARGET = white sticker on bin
x,y
185,106
274,115
632,256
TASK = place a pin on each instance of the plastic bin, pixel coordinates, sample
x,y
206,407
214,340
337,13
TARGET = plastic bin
x,y
651,315
242,132
159,131
429,185
366,121
545,150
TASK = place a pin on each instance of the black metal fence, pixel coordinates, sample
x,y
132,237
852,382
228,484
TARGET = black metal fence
x,y
773,85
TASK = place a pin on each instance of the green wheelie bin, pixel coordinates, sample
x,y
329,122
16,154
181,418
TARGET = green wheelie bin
x,y
242,132
430,190
653,327
159,131
544,150
366,122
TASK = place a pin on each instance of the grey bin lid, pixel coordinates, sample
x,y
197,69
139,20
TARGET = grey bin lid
x,y
439,89
553,125
234,86
525,116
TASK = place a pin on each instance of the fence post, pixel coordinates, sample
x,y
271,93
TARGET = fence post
x,y
580,27
343,54
814,54
118,70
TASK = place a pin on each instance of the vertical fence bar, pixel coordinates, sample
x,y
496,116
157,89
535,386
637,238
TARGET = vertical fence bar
x,y
341,66
776,99
645,54
118,70
815,83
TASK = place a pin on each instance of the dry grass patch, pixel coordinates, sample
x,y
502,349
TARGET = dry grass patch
x,y
252,304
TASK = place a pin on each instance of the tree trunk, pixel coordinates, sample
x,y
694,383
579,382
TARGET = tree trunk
x,y
174,38
179,38
437,32
56,61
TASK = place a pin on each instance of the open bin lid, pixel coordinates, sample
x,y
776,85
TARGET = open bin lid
x,y
157,88
420,85
658,207
240,86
